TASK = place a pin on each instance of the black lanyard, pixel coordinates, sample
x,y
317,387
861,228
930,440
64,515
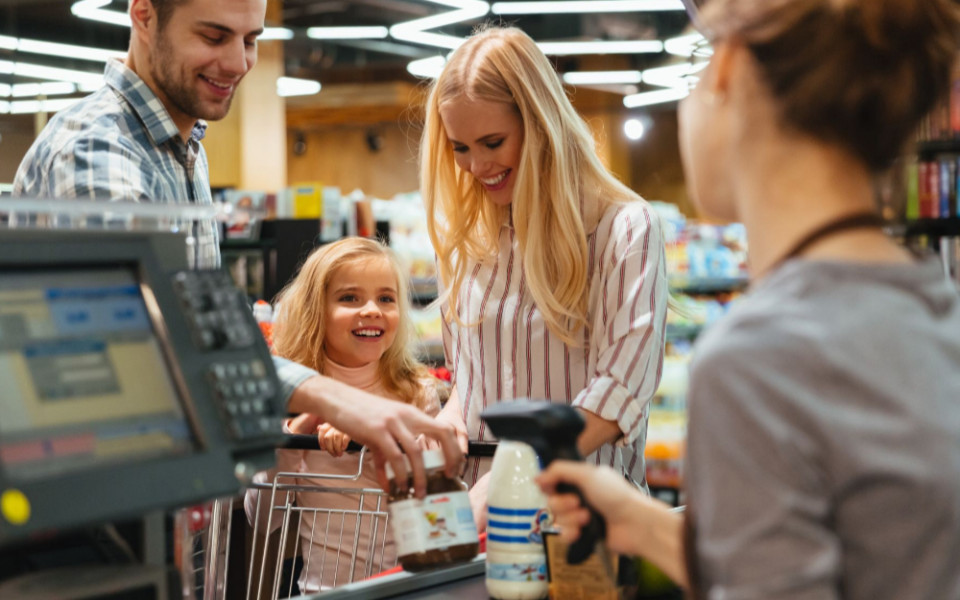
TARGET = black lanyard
x,y
861,220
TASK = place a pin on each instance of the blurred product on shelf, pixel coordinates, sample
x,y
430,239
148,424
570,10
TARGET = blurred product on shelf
x,y
263,314
409,239
248,209
707,270
702,255
428,324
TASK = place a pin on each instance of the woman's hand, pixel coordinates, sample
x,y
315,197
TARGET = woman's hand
x,y
478,501
332,440
450,414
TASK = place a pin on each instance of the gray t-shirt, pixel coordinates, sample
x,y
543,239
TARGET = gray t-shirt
x,y
824,437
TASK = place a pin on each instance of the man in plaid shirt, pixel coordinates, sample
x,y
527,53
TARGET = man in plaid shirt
x,y
138,138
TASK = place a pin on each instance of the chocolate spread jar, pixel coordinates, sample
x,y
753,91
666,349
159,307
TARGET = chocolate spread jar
x,y
438,530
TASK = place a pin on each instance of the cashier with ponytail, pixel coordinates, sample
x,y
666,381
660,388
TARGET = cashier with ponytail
x,y
552,270
823,453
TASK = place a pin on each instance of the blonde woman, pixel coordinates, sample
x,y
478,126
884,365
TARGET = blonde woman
x,y
824,436
346,315
552,270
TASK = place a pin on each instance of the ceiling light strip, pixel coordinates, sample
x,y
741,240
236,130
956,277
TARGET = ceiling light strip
x,y
93,10
348,33
414,31
655,97
601,47
293,86
602,77
594,6
85,79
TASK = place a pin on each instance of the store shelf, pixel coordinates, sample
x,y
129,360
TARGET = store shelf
x,y
948,227
933,147
686,331
708,285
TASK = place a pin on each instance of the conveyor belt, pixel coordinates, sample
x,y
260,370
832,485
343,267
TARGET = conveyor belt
x,y
464,582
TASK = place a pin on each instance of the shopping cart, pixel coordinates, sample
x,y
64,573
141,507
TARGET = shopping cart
x,y
310,532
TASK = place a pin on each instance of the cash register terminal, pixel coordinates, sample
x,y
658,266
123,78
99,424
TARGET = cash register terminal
x,y
129,383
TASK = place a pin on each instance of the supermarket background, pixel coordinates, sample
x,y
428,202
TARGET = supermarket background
x,y
321,143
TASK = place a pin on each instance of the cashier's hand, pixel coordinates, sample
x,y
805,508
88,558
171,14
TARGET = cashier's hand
x,y
384,426
606,491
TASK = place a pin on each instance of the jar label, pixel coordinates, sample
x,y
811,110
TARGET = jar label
x,y
523,571
436,522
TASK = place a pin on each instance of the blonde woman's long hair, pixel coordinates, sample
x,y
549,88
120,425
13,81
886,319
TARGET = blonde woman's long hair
x,y
559,171
300,327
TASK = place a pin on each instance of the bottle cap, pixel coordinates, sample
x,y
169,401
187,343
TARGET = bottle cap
x,y
262,311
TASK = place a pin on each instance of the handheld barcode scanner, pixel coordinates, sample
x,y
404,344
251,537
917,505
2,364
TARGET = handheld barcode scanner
x,y
552,430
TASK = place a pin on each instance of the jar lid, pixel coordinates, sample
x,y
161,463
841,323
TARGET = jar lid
x,y
432,459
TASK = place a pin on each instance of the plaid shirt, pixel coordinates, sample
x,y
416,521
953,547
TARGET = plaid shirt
x,y
120,143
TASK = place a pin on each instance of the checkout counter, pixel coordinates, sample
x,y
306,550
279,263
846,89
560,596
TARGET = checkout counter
x,y
132,385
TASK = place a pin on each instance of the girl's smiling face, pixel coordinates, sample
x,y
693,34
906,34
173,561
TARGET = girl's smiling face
x,y
361,313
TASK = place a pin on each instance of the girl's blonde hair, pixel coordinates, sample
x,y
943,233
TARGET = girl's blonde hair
x,y
558,168
300,328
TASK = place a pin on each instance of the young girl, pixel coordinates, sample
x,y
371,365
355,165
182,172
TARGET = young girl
x,y
345,315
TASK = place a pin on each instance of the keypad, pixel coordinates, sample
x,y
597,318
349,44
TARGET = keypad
x,y
244,392
216,311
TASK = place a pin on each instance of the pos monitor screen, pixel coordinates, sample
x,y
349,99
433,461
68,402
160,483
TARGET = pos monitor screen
x,y
86,382
128,382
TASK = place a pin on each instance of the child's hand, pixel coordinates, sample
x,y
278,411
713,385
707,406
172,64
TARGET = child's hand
x,y
332,440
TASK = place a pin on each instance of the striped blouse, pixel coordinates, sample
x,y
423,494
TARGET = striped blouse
x,y
510,353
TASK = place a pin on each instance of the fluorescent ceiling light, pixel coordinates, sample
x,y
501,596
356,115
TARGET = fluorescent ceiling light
x,y
428,68
275,33
568,48
655,97
86,79
52,88
5,89
688,45
673,76
348,33
67,50
19,107
292,86
602,77
595,6
93,10
8,43
415,30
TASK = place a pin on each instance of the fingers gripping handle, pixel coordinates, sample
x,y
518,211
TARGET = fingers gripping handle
x,y
594,531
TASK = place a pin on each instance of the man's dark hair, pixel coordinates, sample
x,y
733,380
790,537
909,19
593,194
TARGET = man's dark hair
x,y
165,10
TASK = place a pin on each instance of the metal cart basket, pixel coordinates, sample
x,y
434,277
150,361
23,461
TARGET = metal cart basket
x,y
305,532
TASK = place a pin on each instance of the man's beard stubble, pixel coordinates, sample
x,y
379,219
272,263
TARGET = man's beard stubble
x,y
185,99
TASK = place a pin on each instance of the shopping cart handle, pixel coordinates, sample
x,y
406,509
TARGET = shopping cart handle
x,y
481,449
304,441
